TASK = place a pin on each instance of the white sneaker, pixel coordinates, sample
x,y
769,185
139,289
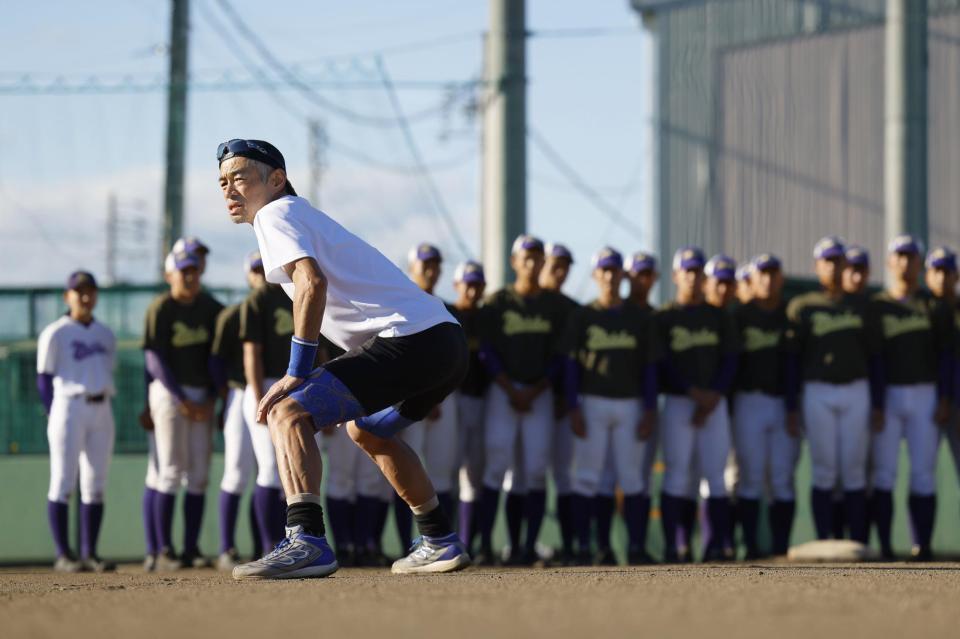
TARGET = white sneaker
x,y
433,555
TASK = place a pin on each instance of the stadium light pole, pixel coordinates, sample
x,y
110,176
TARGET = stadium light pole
x,y
905,144
504,192
176,128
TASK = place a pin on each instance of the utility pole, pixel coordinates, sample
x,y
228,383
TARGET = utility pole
x,y
504,192
318,159
905,169
111,249
176,128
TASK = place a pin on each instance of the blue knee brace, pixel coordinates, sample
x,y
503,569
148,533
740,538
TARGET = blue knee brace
x,y
327,400
385,423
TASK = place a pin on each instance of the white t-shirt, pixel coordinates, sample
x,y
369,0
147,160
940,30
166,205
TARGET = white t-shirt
x,y
80,358
367,295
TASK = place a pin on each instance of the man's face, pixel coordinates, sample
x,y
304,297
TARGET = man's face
x,y
184,283
642,282
470,293
81,301
245,191
527,264
608,280
904,266
689,282
767,284
256,278
855,278
558,268
720,292
425,273
941,281
829,271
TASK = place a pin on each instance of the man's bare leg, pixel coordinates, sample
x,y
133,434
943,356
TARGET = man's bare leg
x,y
298,455
398,463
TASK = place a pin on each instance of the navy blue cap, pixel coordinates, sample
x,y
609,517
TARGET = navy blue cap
x,y
721,267
423,252
857,256
80,279
828,248
906,244
942,257
252,261
190,244
688,257
640,261
607,258
557,250
469,272
179,260
259,150
526,243
766,261
743,272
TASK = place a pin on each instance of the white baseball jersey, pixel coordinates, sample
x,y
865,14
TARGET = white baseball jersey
x,y
80,358
367,295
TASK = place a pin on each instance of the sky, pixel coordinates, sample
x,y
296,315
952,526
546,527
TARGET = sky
x,y
590,74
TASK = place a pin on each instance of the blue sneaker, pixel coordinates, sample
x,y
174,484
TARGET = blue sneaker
x,y
297,556
433,554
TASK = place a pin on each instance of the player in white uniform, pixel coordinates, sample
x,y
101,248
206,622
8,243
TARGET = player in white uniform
x,y
406,353
75,361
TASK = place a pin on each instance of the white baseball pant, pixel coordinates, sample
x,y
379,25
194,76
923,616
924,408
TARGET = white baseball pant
x,y
238,458
435,440
688,448
470,413
611,427
182,445
836,417
268,474
528,435
80,435
908,415
343,459
764,447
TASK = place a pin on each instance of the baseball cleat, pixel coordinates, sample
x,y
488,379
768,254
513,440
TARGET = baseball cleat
x,y
68,563
433,555
194,559
228,560
95,564
297,556
921,554
150,563
167,561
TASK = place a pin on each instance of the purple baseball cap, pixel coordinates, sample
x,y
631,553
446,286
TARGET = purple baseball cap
x,y
640,261
721,267
766,261
607,258
556,250
857,256
180,260
744,271
190,244
252,261
942,257
423,252
81,279
829,248
526,243
469,272
688,257
906,244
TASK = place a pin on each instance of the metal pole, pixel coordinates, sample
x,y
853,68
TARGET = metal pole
x,y
504,193
176,128
318,159
905,170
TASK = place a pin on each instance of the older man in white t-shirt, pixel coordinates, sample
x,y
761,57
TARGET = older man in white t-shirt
x,y
405,353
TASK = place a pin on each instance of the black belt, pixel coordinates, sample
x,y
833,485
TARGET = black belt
x,y
95,399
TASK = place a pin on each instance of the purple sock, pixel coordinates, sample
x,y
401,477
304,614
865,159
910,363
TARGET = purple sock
x,y
364,521
670,515
781,522
163,505
487,515
633,507
192,521
566,524
465,523
535,505
821,502
150,521
255,529
603,507
446,502
839,514
229,511
718,513
923,510
514,511
340,512
856,511
688,522
271,515
404,518
58,516
881,512
91,516
581,511
748,511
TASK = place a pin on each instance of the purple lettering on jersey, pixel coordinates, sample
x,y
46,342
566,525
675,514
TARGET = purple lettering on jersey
x,y
82,350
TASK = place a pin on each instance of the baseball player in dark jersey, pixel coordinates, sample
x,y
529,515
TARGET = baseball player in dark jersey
x,y
764,447
239,463
912,392
521,329
559,259
720,288
829,329
470,283
700,358
192,244
179,332
611,394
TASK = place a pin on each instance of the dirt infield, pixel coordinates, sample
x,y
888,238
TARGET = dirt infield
x,y
768,600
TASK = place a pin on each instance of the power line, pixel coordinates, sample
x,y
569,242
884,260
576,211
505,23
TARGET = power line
x,y
440,206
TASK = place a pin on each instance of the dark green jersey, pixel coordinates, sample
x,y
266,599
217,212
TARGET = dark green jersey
x,y
524,333
695,340
911,334
182,334
266,318
762,348
571,306
227,345
476,381
613,347
832,337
